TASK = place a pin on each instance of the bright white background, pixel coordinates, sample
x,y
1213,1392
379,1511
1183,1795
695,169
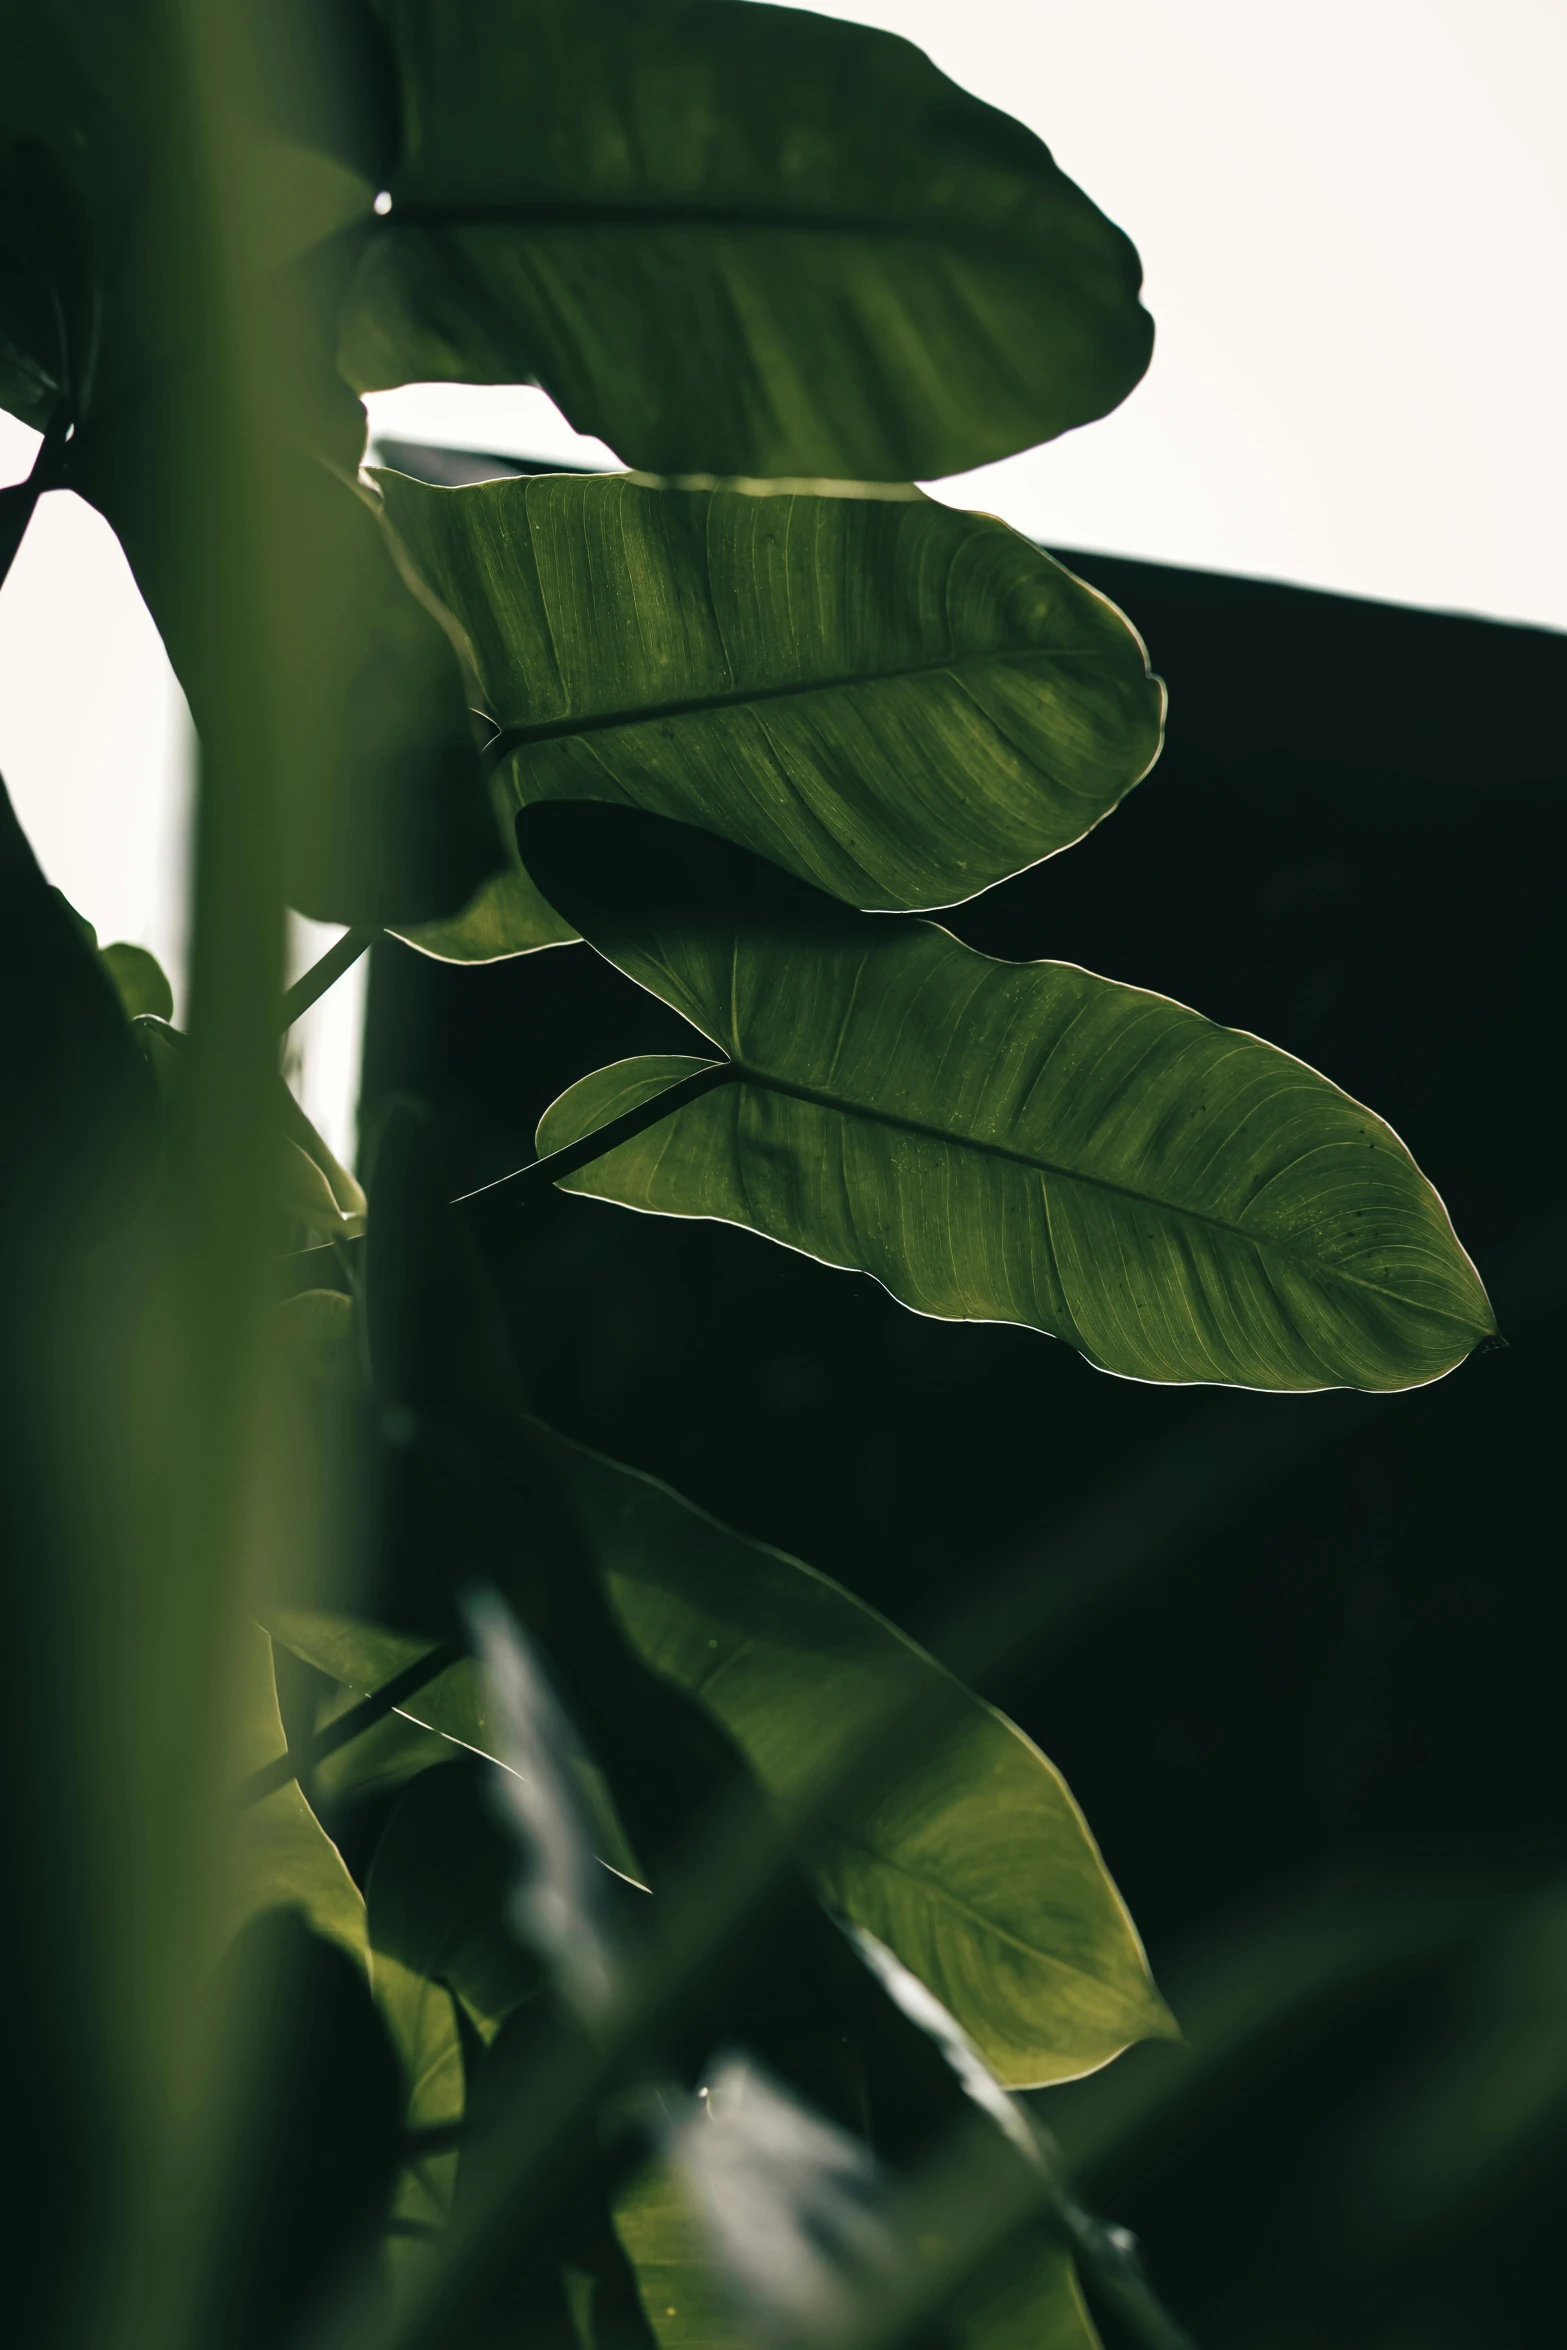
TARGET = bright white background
x,y
1351,216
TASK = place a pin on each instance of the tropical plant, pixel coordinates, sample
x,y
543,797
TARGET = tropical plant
x,y
279,1517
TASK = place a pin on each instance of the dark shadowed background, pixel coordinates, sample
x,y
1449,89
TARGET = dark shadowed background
x,y
1317,1724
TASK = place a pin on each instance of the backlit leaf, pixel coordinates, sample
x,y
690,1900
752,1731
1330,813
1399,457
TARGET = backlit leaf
x,y
977,1868
736,241
900,703
1018,1142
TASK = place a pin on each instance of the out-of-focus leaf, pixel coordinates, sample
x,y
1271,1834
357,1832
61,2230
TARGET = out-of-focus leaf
x,y
313,1186
315,1331
1019,1142
436,1897
378,1760
140,980
138,976
558,1907
1485,2109
76,1145
384,810
48,311
736,241
1031,2302
923,2008
284,1857
977,1869
305,1193
1034,2303
900,703
315,2141
794,2212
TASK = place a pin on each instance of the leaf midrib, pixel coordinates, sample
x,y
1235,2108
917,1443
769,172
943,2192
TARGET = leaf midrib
x,y
936,1893
715,216
819,1098
518,738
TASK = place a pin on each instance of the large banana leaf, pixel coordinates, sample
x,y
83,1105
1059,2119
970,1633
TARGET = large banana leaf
x,y
977,1868
901,703
736,241
1020,1142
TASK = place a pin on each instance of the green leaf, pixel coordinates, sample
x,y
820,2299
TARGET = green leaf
x,y
435,1897
384,812
285,1858
140,979
1017,1142
313,1187
900,703
311,2142
507,917
1034,2304
977,1869
736,241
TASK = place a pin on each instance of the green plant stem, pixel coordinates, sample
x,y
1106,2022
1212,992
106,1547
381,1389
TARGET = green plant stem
x,y
1110,2256
491,1208
325,973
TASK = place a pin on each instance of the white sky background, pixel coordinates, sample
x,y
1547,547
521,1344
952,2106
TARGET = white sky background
x,y
1351,217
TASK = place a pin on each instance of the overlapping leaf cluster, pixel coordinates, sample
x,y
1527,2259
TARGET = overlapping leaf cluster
x,y
738,719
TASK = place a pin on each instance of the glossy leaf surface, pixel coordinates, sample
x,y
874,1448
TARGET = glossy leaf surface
x,y
736,241
977,1868
1019,1142
900,703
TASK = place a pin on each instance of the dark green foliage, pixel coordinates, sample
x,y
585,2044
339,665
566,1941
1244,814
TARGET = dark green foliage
x,y
369,1974
313,2097
900,703
733,240
1263,1228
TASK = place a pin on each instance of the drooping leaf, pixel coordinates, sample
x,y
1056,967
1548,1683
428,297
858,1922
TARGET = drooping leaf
x,y
900,703
285,1858
736,241
977,1869
140,978
1020,1142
